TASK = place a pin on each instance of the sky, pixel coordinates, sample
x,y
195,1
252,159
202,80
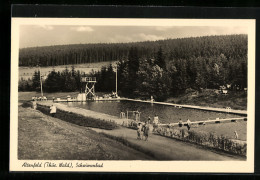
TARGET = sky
x,y
48,35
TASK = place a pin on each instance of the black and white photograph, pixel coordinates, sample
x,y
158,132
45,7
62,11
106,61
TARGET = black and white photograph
x,y
132,95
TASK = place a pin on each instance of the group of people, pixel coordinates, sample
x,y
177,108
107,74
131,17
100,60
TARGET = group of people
x,y
180,123
34,98
143,129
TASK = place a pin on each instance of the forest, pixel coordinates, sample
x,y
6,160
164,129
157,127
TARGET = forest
x,y
159,68
232,46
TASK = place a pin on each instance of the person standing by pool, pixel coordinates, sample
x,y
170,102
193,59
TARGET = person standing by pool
x,y
139,131
188,124
155,122
137,115
149,120
53,110
146,131
180,123
152,99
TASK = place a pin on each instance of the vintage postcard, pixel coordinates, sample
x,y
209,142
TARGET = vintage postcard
x,y
132,95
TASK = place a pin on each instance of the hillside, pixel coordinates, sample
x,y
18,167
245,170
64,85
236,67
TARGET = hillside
x,y
232,46
157,68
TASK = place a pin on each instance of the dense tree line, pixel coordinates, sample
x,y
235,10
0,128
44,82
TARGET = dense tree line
x,y
144,77
232,46
67,80
196,63
140,77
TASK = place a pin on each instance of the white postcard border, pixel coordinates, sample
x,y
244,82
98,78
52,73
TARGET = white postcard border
x,y
135,166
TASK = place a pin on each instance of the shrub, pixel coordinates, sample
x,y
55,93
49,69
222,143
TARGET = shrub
x,y
206,139
27,104
79,119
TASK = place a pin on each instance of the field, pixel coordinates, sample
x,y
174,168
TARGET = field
x,y
27,72
42,137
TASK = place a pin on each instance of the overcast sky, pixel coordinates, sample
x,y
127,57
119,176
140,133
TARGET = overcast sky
x,y
46,35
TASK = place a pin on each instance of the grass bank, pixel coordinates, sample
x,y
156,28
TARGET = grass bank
x,y
209,97
41,137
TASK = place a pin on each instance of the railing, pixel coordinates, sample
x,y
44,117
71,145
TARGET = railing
x,y
88,79
217,120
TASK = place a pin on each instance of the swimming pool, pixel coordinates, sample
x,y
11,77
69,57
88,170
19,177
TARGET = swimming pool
x,y
167,114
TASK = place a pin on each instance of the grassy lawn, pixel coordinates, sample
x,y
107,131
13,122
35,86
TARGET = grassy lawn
x,y
208,97
226,129
45,138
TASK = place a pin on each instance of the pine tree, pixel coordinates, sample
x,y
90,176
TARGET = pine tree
x,y
133,66
53,82
160,59
36,85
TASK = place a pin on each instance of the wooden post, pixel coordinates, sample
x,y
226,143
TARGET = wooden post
x,y
41,81
116,80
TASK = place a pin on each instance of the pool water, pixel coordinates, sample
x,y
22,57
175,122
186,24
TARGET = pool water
x,y
167,114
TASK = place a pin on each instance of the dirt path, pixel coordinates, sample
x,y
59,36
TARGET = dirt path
x,y
163,148
42,137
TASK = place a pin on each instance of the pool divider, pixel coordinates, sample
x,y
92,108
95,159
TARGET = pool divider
x,y
224,110
217,120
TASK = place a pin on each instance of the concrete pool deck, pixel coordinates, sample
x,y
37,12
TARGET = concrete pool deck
x,y
85,112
